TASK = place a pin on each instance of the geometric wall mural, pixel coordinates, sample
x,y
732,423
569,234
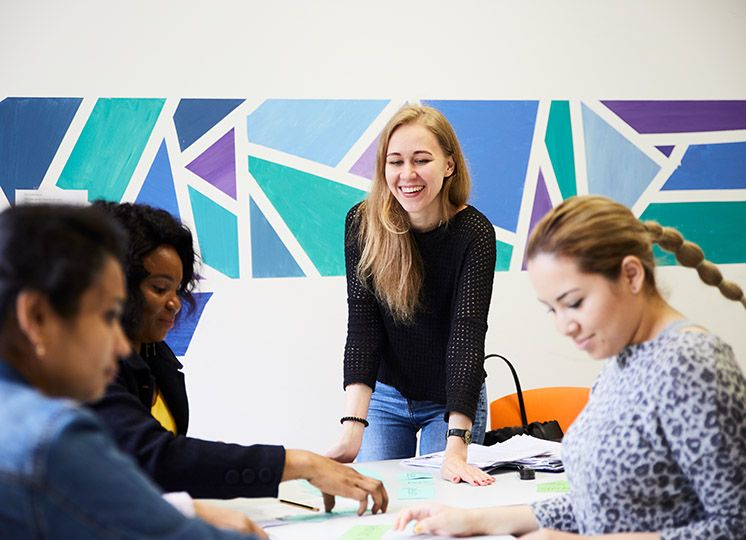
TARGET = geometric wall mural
x,y
265,184
273,179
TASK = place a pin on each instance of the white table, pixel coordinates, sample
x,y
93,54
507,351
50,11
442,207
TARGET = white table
x,y
508,489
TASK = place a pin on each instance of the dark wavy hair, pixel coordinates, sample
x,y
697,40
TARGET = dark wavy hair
x,y
149,228
57,250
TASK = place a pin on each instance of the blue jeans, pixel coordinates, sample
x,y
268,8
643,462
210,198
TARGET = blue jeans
x,y
395,421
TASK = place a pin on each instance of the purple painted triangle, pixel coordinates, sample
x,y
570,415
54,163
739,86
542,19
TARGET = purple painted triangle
x,y
365,166
542,205
217,164
666,150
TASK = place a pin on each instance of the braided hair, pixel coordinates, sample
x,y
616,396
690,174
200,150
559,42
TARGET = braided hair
x,y
597,233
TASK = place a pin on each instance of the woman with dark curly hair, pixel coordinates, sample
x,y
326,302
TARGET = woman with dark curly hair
x,y
146,407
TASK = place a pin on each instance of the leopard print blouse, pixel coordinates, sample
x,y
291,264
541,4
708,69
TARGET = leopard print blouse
x,y
661,444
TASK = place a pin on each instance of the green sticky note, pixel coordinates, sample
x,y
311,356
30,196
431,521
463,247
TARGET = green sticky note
x,y
416,490
410,476
365,532
560,486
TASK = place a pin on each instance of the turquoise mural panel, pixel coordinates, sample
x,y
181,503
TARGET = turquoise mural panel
x,y
616,167
321,130
495,137
717,227
158,189
711,166
504,254
314,209
31,130
110,147
217,233
558,139
269,256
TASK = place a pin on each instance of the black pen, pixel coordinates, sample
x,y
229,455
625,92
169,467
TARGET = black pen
x,y
300,505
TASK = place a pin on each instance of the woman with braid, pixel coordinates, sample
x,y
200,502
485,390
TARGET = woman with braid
x,y
660,449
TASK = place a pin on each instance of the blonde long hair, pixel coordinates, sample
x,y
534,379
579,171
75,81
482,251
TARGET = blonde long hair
x,y
389,260
597,233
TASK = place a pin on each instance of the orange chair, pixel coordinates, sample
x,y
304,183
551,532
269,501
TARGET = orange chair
x,y
561,403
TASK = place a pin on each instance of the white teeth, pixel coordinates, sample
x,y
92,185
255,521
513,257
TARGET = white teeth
x,y
412,189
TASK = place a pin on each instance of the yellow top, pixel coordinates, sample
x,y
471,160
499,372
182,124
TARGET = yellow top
x,y
160,412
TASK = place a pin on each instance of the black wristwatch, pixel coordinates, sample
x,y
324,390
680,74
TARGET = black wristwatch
x,y
463,434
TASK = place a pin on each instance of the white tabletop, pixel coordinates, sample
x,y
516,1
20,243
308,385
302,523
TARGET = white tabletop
x,y
507,490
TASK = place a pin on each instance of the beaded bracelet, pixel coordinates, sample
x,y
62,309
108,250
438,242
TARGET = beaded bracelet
x,y
362,421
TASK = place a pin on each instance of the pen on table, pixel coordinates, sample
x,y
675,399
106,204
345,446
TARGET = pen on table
x,y
300,505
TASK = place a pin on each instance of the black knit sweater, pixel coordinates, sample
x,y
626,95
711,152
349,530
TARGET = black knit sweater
x,y
440,356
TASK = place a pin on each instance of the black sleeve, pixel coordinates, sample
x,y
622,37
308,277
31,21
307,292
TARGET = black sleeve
x,y
364,324
179,463
465,354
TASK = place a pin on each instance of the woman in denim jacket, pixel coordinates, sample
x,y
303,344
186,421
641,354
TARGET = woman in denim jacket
x,y
61,296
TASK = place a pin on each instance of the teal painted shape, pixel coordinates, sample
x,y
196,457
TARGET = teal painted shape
x,y
269,256
321,130
717,227
616,167
110,146
504,253
158,189
314,209
217,232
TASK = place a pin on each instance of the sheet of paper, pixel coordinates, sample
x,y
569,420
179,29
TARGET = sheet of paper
x,y
485,457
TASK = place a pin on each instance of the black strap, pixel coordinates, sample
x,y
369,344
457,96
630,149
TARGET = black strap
x,y
518,391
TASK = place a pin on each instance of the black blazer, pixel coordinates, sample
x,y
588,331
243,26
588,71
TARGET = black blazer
x,y
180,463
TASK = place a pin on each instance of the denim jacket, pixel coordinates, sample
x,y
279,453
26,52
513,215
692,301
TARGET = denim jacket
x,y
61,476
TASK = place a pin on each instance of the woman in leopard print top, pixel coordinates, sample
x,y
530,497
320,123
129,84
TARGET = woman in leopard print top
x,y
660,449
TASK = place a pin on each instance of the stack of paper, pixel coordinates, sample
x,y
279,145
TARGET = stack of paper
x,y
520,450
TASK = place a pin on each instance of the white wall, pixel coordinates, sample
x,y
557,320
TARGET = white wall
x,y
272,372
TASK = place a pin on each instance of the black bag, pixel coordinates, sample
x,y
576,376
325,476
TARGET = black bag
x,y
550,430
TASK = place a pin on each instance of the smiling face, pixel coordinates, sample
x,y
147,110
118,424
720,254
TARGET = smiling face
x,y
160,294
415,169
82,351
601,316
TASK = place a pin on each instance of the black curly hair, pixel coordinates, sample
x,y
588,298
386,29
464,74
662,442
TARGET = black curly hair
x,y
149,228
58,250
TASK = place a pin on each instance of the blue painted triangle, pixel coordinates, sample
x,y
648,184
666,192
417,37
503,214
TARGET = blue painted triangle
x,y
616,167
180,336
269,256
31,130
193,117
322,130
158,189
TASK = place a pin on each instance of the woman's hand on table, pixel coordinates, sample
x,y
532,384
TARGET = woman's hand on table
x,y
455,469
225,518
